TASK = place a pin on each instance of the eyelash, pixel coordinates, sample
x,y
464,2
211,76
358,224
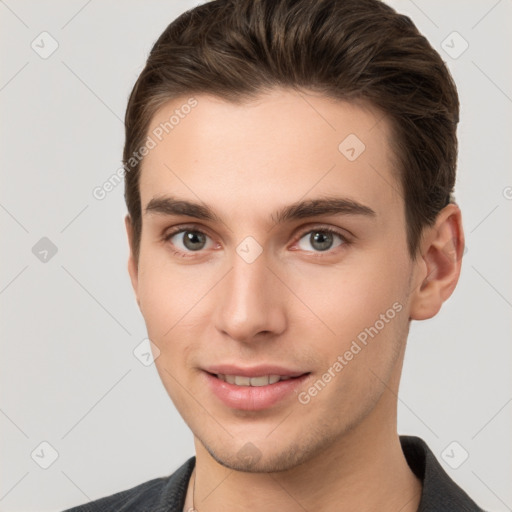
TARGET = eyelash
x,y
322,229
182,229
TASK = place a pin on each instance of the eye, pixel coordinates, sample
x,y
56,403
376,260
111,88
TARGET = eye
x,y
186,240
321,240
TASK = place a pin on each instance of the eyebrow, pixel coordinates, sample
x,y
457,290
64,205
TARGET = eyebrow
x,y
168,205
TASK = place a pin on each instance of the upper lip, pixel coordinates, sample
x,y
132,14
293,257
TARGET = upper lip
x,y
253,371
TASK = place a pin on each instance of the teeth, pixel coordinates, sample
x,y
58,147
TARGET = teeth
x,y
263,380
242,381
257,381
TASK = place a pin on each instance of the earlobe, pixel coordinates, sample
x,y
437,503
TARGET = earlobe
x,y
439,264
133,270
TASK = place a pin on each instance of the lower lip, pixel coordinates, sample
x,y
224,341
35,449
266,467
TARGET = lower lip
x,y
253,398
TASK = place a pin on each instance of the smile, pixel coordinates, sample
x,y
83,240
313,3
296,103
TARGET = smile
x,y
240,380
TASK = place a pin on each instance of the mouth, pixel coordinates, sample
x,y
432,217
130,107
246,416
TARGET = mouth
x,y
255,392
263,380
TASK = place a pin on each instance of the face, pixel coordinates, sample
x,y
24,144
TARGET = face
x,y
273,274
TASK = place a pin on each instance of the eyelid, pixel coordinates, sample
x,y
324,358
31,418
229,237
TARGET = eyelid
x,y
187,255
326,228
304,230
184,227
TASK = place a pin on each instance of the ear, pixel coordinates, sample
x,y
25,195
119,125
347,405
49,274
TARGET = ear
x,y
439,263
133,269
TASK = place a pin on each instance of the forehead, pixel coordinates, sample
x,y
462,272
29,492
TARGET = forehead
x,y
280,147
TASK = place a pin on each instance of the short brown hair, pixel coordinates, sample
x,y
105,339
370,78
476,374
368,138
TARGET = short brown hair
x,y
344,49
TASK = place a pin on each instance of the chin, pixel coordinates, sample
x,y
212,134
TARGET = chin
x,y
267,457
261,464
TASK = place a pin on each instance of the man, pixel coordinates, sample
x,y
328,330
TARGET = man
x,y
289,175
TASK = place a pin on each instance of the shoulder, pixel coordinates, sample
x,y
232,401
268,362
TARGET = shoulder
x,y
164,494
440,492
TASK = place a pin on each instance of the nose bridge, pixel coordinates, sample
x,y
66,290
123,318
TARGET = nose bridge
x,y
249,299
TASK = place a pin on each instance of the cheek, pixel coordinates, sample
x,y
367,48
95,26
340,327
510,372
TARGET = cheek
x,y
366,314
168,295
170,299
350,297
177,302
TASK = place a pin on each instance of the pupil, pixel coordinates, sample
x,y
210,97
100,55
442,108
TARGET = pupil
x,y
194,241
321,240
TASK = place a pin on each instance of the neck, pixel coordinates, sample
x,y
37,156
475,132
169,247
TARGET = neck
x,y
364,470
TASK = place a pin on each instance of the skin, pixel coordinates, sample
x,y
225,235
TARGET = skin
x,y
295,305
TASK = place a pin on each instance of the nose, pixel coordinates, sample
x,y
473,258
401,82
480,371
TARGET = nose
x,y
251,305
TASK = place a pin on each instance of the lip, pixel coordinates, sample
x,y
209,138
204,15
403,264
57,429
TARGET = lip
x,y
253,371
253,398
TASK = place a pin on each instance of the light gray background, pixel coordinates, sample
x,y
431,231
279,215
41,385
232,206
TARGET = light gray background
x,y
70,325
